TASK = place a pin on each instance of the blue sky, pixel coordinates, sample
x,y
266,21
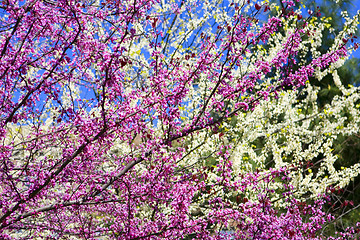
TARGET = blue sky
x,y
353,11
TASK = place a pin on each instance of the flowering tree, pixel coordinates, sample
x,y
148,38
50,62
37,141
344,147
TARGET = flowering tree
x,y
135,119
